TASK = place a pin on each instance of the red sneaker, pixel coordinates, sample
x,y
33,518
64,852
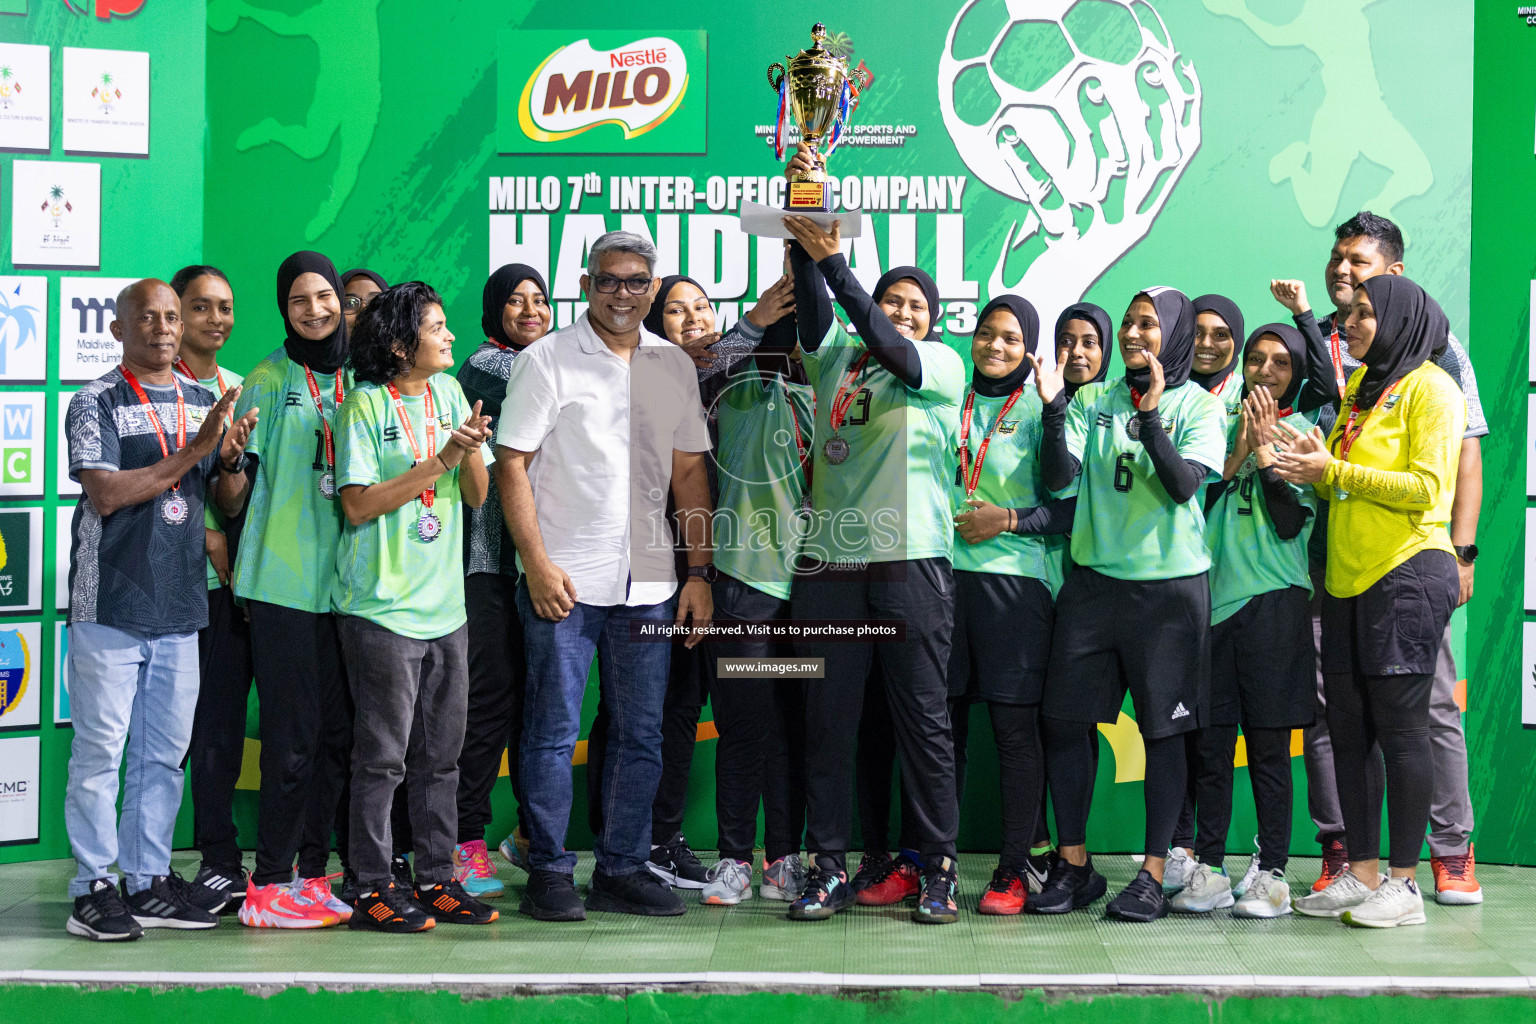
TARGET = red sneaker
x,y
1456,879
900,881
1006,895
1335,863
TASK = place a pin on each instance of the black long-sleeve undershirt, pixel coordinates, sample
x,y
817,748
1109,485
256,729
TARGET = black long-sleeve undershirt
x,y
886,346
1045,520
1058,466
813,306
1180,477
1286,513
1321,388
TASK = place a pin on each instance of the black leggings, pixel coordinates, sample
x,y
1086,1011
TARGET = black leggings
x,y
1209,793
1394,712
1070,767
1020,771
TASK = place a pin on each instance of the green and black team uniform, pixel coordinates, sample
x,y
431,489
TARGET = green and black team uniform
x,y
283,573
1005,591
766,419
1258,527
878,547
1135,611
497,669
218,727
398,596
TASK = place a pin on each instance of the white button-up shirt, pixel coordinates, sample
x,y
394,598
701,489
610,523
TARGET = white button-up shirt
x,y
604,430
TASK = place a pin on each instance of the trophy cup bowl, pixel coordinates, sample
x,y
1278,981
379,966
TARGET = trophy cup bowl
x,y
815,92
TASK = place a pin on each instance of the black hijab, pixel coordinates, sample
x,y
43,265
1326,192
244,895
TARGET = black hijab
x,y
653,319
329,353
1228,311
1296,345
377,279
1096,315
1176,320
923,281
1410,328
498,292
1029,325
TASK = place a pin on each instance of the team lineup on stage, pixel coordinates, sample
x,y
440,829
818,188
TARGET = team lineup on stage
x,y
1251,530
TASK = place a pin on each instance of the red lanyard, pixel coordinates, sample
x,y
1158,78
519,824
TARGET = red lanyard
x,y
800,447
1223,385
430,493
1350,432
1136,397
843,400
154,418
186,371
314,392
1338,358
504,348
972,477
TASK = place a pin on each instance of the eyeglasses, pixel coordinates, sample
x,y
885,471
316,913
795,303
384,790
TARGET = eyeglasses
x,y
354,303
609,285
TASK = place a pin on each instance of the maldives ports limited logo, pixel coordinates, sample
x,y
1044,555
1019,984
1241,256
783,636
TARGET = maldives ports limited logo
x,y
601,92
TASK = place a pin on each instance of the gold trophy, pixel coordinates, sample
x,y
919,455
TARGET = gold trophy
x,y
821,92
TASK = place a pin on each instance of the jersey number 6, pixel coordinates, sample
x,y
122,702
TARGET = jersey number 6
x,y
1123,476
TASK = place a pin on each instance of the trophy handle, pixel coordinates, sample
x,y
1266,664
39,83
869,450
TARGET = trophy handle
x,y
773,83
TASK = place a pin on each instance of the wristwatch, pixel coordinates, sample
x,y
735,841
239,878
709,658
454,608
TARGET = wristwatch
x,y
706,572
1467,553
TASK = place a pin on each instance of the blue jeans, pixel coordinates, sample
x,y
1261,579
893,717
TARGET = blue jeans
x,y
633,676
138,689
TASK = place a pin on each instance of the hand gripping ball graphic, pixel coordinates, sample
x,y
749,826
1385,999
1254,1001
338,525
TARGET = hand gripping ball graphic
x,y
15,670
1081,109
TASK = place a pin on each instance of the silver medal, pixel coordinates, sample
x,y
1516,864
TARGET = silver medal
x,y
174,509
1133,428
836,449
428,527
328,486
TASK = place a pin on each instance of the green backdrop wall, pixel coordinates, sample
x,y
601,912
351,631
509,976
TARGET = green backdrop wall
x,y
1207,144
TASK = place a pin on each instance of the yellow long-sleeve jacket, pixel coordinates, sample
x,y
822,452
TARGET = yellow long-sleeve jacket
x,y
1392,499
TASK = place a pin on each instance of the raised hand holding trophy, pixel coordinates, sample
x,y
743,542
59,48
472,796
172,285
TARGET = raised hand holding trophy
x,y
821,92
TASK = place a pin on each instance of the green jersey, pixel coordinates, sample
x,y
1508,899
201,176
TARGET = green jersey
x,y
213,519
1126,525
1247,557
385,571
759,524
1010,477
891,498
288,546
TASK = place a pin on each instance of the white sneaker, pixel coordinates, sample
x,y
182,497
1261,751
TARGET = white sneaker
x,y
783,880
1396,901
1343,893
1177,870
1252,873
727,883
1205,890
1268,895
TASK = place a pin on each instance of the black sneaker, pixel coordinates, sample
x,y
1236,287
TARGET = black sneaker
x,y
1142,900
873,867
389,910
936,903
826,893
638,892
400,871
167,903
1068,888
218,889
674,863
551,896
350,889
1038,867
102,915
450,904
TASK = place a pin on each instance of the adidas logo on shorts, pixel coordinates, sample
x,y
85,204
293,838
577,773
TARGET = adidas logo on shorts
x,y
1181,711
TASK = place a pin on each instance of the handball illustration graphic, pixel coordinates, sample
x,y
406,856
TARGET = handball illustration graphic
x,y
1083,110
15,670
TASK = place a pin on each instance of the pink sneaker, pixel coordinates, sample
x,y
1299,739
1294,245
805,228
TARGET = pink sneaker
x,y
319,891
283,906
472,868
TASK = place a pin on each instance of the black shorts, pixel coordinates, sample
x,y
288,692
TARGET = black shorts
x,y
1002,641
1152,637
1263,669
1395,627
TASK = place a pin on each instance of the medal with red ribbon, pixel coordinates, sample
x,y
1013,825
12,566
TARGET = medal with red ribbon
x,y
801,449
1351,432
173,507
1336,352
836,449
328,478
182,368
428,526
970,476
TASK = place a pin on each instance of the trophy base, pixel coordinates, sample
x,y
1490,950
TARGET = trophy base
x,y
768,221
809,197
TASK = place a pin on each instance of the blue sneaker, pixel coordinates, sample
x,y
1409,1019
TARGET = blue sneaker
x,y
936,903
826,893
514,849
472,868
